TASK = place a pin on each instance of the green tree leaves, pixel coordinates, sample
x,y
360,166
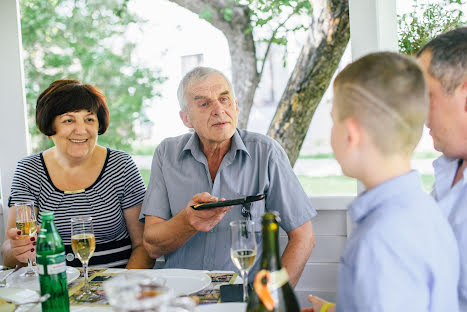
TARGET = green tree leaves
x,y
85,40
426,21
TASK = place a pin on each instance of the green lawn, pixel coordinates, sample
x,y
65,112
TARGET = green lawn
x,y
326,185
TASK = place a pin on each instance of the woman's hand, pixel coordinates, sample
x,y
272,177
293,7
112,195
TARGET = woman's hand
x,y
22,247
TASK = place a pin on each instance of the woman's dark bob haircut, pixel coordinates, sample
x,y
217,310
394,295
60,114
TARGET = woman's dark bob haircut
x,y
63,96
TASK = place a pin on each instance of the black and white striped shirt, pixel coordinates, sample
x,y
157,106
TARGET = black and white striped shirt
x,y
118,187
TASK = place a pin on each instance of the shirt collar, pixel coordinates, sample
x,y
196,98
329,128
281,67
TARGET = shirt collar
x,y
445,170
371,199
236,144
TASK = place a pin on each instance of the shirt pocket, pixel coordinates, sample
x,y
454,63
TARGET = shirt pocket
x,y
234,214
257,210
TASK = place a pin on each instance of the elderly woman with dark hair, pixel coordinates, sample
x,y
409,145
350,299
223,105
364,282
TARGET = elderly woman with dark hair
x,y
77,177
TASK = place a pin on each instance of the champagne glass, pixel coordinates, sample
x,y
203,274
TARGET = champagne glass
x,y
243,249
83,244
25,219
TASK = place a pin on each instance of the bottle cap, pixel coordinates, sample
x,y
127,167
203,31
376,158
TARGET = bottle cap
x,y
47,215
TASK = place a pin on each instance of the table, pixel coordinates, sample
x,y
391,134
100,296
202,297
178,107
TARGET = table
x,y
210,294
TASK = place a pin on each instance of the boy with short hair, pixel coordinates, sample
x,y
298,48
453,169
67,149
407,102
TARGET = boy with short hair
x,y
402,255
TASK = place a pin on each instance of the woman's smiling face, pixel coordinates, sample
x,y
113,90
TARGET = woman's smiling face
x,y
76,133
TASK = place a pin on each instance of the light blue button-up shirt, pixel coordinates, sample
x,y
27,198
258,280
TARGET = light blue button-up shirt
x,y
402,255
453,203
255,164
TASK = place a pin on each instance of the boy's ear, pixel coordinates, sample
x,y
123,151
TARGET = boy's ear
x,y
186,119
354,132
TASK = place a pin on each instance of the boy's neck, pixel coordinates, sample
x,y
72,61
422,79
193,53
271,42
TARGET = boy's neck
x,y
382,169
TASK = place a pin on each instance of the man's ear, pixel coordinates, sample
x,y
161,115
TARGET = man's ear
x,y
186,119
236,107
354,133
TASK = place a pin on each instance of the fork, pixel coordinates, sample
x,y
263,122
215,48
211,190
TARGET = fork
x,y
3,281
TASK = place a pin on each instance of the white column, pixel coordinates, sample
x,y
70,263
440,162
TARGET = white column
x,y
373,26
14,136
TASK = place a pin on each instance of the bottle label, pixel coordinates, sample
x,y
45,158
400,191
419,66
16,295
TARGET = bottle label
x,y
265,284
51,264
278,279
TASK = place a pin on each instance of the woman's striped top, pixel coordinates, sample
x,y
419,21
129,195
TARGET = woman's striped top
x,y
118,187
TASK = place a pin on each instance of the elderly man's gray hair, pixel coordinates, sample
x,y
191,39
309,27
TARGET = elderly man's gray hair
x,y
193,76
448,58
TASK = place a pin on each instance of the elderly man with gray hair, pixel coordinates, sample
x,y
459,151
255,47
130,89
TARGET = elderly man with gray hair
x,y
218,161
444,62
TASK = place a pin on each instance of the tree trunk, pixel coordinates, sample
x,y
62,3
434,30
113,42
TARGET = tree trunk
x,y
320,56
245,77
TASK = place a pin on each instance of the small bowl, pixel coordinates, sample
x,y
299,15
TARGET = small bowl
x,y
134,291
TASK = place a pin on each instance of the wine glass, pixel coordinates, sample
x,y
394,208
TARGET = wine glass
x,y
83,244
25,219
243,249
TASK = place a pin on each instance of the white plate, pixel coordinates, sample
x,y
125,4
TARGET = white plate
x,y
183,282
222,307
33,283
19,295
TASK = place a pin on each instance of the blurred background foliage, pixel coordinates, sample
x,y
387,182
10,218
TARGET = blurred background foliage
x,y
84,40
427,20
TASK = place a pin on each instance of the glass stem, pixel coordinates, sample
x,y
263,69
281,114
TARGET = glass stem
x,y
85,269
244,275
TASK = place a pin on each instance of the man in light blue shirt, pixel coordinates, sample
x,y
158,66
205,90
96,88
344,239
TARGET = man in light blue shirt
x,y
402,254
444,62
218,161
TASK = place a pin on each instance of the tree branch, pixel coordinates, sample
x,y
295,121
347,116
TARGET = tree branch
x,y
270,42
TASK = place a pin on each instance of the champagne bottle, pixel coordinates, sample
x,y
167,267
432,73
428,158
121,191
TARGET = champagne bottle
x,y
51,265
271,288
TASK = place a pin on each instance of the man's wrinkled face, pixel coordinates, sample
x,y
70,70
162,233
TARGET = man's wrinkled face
x,y
447,118
212,111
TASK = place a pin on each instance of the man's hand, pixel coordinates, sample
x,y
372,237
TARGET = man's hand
x,y
204,220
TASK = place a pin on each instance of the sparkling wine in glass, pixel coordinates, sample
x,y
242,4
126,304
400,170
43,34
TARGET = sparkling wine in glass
x,y
83,244
243,249
25,219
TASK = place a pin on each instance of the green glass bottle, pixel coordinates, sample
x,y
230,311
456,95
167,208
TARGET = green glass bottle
x,y
51,265
271,288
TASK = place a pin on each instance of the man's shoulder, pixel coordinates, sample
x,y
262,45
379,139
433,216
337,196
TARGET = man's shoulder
x,y
253,138
172,147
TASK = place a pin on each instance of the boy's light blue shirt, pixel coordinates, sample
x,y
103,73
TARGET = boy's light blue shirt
x,y
453,203
402,256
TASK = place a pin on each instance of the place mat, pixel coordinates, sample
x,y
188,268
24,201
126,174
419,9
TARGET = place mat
x,y
210,294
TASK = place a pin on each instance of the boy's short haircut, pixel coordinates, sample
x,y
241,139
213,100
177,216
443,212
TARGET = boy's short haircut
x,y
386,93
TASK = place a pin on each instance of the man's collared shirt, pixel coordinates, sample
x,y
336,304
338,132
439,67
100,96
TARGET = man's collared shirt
x,y
402,256
453,203
255,164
